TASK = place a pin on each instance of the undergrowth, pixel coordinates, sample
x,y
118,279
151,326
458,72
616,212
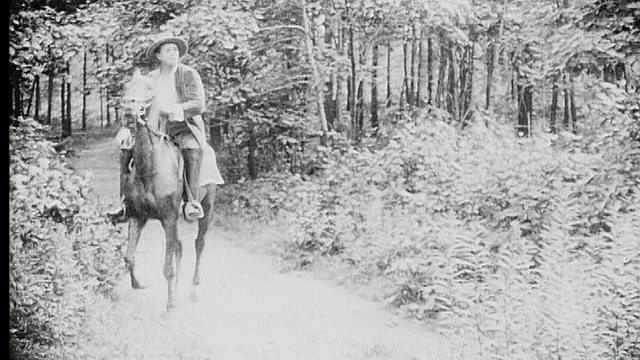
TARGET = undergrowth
x,y
63,257
518,248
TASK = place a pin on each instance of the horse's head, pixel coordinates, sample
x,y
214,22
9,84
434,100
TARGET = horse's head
x,y
137,99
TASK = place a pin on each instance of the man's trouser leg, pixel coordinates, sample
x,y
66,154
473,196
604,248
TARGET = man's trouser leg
x,y
192,161
121,215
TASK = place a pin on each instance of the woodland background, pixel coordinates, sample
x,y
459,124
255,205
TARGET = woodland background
x,y
479,159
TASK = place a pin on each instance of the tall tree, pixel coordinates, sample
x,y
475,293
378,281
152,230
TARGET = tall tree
x,y
374,86
317,79
429,70
85,90
493,51
388,77
554,107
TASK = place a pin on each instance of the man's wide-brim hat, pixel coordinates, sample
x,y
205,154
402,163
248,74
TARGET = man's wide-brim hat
x,y
178,41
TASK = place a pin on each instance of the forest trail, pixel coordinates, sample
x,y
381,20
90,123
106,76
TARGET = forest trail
x,y
246,307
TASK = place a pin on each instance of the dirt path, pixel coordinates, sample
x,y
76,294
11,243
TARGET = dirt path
x,y
246,308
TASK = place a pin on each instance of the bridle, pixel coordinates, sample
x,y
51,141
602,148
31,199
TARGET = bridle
x,y
139,110
136,112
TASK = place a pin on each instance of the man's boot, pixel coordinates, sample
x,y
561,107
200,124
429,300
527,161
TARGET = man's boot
x,y
121,215
192,161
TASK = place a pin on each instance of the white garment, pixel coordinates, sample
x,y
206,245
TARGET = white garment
x,y
167,95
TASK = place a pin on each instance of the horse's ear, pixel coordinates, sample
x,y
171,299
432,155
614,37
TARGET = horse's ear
x,y
140,87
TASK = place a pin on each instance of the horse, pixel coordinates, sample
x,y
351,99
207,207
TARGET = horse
x,y
155,186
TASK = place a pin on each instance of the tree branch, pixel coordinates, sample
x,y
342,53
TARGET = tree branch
x,y
278,27
285,86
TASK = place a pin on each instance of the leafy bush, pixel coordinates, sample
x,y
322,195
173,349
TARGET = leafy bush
x,y
519,248
63,255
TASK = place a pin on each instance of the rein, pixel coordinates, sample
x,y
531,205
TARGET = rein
x,y
140,121
159,134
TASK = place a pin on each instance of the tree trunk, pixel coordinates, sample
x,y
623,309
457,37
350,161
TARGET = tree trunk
x,y
402,94
330,107
441,72
101,107
374,87
108,95
49,96
84,91
38,99
339,79
452,95
352,83
490,66
251,160
528,98
63,104
411,98
430,70
466,84
462,70
513,73
566,121
32,96
493,53
554,107
359,126
68,113
389,75
470,106
17,95
524,97
419,95
572,101
69,122
405,62
317,79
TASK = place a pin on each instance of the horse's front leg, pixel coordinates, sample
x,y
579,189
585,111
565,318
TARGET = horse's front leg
x,y
173,256
135,229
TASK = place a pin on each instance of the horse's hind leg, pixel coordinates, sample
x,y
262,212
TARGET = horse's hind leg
x,y
203,227
135,229
173,256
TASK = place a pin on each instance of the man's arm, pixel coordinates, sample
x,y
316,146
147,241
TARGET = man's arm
x,y
193,93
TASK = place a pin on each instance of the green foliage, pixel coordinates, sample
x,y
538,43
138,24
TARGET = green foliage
x,y
42,41
63,255
518,248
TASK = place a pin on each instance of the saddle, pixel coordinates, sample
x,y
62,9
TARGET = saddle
x,y
141,90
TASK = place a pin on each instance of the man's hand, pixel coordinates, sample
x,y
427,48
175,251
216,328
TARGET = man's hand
x,y
174,112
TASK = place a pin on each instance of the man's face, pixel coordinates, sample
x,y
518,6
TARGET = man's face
x,y
169,54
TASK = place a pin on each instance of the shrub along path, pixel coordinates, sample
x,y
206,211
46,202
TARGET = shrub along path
x,y
246,307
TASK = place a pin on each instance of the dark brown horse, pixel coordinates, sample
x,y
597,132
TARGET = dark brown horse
x,y
155,186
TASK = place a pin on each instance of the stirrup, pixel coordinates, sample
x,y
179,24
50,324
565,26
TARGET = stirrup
x,y
118,216
193,211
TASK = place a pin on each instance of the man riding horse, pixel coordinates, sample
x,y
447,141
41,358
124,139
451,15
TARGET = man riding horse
x,y
180,99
